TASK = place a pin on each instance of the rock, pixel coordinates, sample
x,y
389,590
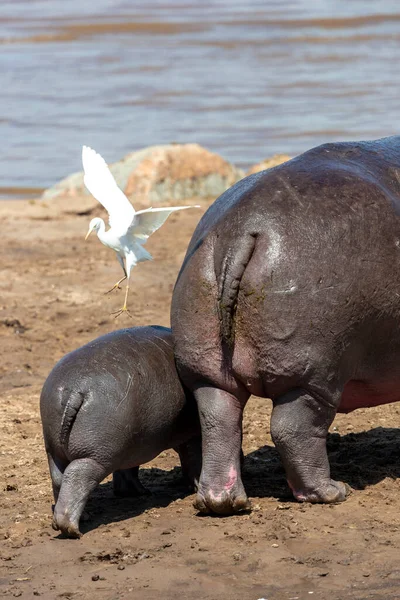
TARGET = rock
x,y
179,171
15,324
268,163
170,173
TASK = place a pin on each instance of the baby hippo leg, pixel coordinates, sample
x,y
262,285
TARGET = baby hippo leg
x,y
57,469
190,457
80,478
126,483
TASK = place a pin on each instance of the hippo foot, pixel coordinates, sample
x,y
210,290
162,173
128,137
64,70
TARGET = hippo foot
x,y
66,527
228,502
332,491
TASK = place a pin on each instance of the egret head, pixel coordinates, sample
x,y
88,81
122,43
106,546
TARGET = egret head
x,y
94,225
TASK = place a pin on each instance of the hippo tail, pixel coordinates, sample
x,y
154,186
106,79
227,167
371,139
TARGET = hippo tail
x,y
72,405
229,279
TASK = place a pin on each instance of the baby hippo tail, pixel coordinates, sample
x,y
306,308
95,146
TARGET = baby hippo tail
x,y
72,403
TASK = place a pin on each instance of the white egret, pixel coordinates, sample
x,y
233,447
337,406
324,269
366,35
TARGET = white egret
x,y
129,229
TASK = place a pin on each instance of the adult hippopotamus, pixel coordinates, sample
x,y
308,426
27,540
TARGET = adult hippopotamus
x,y
109,407
290,290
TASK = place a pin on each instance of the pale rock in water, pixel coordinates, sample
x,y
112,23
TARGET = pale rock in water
x,y
157,174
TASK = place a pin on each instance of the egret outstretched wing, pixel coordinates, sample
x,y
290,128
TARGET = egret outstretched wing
x,y
149,220
101,184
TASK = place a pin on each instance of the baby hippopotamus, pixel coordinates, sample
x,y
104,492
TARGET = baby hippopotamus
x,y
108,407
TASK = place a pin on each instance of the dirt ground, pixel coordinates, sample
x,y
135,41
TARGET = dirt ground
x,y
52,301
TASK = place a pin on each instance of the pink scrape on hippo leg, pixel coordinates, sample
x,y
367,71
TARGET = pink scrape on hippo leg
x,y
229,485
298,494
232,478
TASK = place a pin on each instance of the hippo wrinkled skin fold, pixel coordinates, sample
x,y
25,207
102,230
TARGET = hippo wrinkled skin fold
x,y
290,290
109,407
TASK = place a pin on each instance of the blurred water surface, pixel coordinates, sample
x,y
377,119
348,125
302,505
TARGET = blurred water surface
x,y
245,79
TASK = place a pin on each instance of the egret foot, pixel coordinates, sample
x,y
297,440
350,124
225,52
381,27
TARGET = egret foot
x,y
124,308
116,286
119,312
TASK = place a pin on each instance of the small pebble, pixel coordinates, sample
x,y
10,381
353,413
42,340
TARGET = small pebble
x,y
95,577
144,555
275,546
121,567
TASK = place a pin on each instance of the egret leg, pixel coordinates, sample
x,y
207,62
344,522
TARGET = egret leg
x,y
130,262
116,285
124,308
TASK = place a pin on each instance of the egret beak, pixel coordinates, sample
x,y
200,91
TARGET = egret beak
x,y
88,233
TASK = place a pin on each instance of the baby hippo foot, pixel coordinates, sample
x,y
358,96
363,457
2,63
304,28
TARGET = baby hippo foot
x,y
190,457
229,500
63,523
85,517
332,491
126,484
80,478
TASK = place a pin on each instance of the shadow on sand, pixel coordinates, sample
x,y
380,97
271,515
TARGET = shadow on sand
x,y
359,459
164,486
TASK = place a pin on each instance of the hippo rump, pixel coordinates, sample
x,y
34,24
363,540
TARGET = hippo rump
x,y
109,407
290,290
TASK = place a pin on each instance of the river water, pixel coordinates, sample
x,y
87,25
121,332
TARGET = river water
x,y
245,79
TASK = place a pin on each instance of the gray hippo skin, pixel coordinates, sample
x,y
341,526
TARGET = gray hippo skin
x,y
109,407
290,290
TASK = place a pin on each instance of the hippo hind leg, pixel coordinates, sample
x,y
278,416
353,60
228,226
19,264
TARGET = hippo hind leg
x,y
299,427
190,457
220,488
79,479
126,484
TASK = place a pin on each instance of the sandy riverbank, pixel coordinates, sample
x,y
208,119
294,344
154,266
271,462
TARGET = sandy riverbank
x,y
51,301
